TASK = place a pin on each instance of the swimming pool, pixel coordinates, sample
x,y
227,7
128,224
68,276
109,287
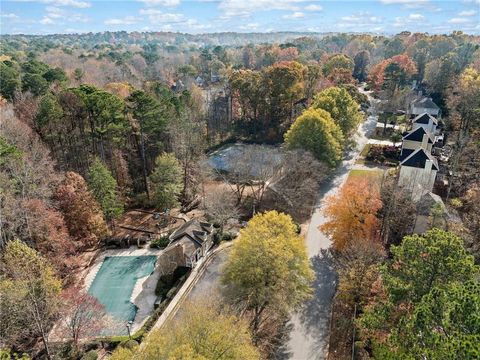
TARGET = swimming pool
x,y
113,284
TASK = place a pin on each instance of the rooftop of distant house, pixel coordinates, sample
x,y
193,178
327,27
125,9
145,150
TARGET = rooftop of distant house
x,y
426,103
425,119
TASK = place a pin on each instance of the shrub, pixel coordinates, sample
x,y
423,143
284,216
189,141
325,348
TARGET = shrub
x,y
396,136
129,344
92,345
298,229
217,238
381,153
160,243
456,203
228,237
90,355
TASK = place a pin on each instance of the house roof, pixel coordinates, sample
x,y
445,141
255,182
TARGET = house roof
x,y
406,153
425,119
417,135
193,230
418,159
426,103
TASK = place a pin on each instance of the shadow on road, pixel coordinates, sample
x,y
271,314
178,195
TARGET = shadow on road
x,y
314,316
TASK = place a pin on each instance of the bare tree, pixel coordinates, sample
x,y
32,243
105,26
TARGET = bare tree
x,y
254,166
220,206
397,214
187,142
265,166
30,175
83,315
299,181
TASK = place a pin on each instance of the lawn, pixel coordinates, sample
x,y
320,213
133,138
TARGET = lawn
x,y
373,175
363,154
365,150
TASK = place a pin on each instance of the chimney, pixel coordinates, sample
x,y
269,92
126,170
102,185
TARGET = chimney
x,y
425,142
428,165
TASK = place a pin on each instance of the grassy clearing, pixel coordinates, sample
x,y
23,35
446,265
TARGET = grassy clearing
x,y
373,175
365,150
363,153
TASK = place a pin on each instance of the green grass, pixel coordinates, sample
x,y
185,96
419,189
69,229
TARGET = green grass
x,y
374,175
365,150
363,154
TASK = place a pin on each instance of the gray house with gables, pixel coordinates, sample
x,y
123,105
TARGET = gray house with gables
x,y
196,239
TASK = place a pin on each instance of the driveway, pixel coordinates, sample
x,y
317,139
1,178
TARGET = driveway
x,y
207,286
309,328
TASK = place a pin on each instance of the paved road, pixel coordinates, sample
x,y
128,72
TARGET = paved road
x,y
309,328
307,336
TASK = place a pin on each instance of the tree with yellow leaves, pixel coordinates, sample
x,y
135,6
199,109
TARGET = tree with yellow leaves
x,y
202,332
29,296
352,214
268,271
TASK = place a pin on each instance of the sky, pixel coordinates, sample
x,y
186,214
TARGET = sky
x,y
207,16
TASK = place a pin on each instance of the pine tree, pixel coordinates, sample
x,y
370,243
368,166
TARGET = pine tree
x,y
104,189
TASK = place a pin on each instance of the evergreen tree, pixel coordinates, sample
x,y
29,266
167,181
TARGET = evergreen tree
x,y
166,181
104,189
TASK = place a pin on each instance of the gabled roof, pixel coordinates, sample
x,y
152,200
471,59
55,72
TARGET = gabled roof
x,y
406,153
425,119
417,135
426,103
418,159
194,230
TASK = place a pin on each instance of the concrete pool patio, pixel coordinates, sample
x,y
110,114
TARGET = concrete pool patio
x,y
142,295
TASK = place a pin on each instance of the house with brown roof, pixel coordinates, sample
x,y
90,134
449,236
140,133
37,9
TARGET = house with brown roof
x,y
196,239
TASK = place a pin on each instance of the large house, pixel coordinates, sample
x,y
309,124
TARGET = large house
x,y
418,168
195,237
424,105
417,173
425,121
414,140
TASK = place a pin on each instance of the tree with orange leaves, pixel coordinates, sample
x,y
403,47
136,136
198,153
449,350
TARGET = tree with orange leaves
x,y
376,75
352,214
82,214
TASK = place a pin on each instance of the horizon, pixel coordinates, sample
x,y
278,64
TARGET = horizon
x,y
379,17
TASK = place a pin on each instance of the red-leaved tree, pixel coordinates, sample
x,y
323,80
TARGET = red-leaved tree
x,y
83,316
377,72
